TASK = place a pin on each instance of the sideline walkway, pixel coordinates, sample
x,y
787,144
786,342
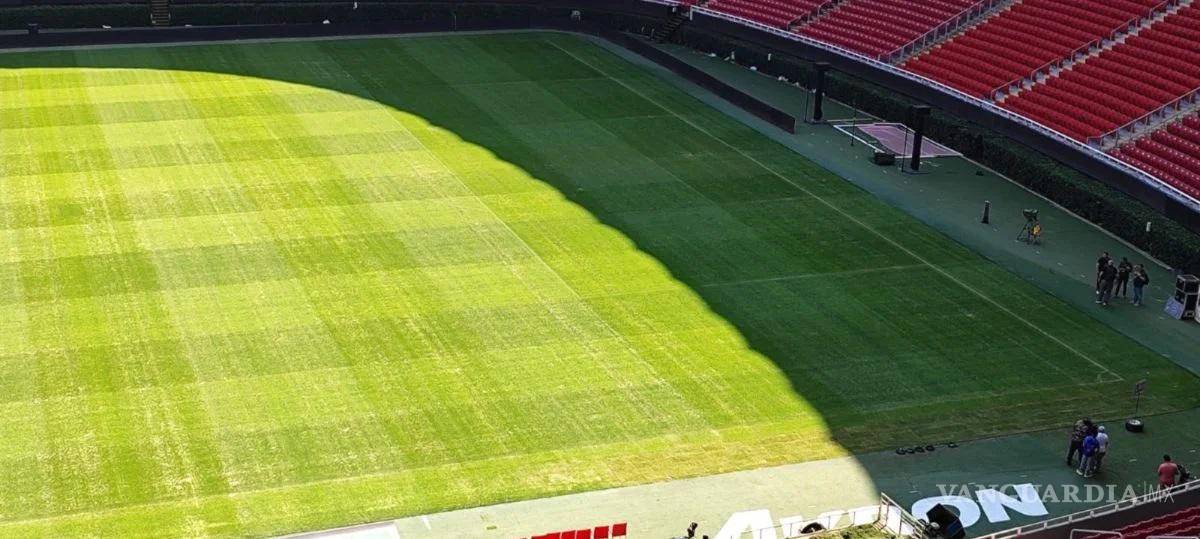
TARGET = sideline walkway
x,y
950,199
811,489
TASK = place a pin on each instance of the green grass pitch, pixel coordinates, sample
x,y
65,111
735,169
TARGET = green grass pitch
x,y
264,288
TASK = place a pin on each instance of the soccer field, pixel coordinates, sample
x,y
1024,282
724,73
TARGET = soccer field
x,y
269,287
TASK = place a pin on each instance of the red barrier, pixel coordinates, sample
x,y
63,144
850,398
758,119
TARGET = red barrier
x,y
599,532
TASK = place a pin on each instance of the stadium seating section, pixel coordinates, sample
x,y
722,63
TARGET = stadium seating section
x,y
1137,71
878,27
777,13
1172,154
1017,42
1120,85
1183,523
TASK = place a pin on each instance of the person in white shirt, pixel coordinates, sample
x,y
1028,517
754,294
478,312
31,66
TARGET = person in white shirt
x,y
1101,450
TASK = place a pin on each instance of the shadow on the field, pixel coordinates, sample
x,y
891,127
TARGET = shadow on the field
x,y
768,270
826,302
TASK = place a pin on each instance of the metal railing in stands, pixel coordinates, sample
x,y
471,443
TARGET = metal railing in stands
x,y
1190,98
1046,69
1103,510
1085,49
805,17
1138,173
938,33
1089,533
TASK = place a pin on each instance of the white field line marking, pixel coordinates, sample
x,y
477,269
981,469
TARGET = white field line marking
x,y
845,214
800,276
1162,264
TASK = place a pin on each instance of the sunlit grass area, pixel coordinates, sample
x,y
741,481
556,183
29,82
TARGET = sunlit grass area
x,y
251,289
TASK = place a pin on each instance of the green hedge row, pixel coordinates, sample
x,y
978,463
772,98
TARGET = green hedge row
x,y
80,16
306,12
1105,206
217,13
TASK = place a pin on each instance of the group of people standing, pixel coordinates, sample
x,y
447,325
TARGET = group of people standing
x,y
1090,441
1112,279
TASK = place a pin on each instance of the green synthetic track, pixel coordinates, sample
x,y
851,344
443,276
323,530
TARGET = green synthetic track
x,y
250,289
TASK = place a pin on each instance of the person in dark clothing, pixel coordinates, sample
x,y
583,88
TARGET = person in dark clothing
x,y
1108,278
1078,433
1123,271
1140,280
1101,263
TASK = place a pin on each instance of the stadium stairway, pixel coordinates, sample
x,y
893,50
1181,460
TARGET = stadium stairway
x,y
1117,38
1122,84
1031,38
160,12
678,17
967,20
780,14
879,28
1171,154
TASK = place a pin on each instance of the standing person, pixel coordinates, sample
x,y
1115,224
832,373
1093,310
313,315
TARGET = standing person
x,y
1101,450
1123,271
1101,263
1088,452
1108,277
1166,473
1078,433
1140,280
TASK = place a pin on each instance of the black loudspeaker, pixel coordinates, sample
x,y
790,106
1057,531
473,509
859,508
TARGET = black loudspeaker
x,y
1187,292
819,91
884,158
916,120
948,525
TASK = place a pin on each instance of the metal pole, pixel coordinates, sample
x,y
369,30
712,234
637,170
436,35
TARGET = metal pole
x,y
807,96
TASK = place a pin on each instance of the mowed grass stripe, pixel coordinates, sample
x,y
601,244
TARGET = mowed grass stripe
x,y
686,417
888,239
405,275
180,454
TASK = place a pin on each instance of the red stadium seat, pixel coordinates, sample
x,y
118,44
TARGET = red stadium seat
x,y
1119,85
777,13
1015,43
601,532
1171,154
1098,92
618,530
877,27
